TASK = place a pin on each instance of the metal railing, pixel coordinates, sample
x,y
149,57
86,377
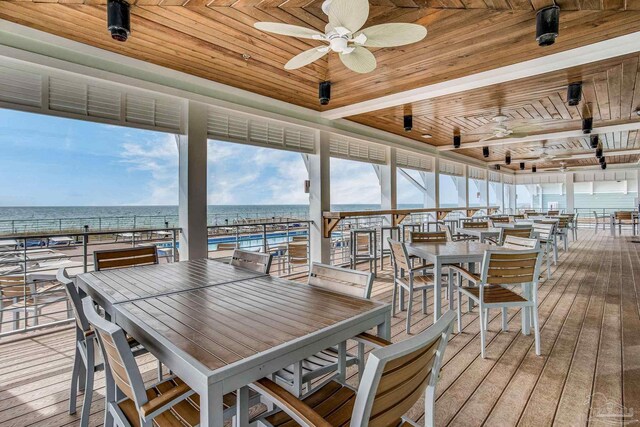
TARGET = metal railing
x,y
30,296
288,241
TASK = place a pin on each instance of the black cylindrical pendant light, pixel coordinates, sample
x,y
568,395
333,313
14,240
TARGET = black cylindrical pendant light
x,y
456,141
603,166
507,159
602,160
118,19
485,152
594,140
324,92
599,152
547,25
574,93
408,123
497,167
534,169
587,125
521,166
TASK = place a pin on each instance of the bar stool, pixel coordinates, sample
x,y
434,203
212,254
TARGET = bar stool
x,y
392,232
406,229
363,248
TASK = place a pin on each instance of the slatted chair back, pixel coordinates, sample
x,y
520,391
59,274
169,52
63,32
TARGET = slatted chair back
x,y
74,299
553,213
511,267
499,220
362,243
520,243
475,224
226,246
623,215
395,377
399,255
544,230
428,237
297,253
299,239
120,258
563,221
517,216
515,232
122,367
14,287
254,261
349,282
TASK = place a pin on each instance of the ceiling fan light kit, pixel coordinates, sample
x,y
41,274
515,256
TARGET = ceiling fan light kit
x,y
547,25
344,36
587,125
118,19
324,92
574,94
408,123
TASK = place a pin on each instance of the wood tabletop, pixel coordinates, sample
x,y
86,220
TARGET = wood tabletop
x,y
223,324
111,287
464,251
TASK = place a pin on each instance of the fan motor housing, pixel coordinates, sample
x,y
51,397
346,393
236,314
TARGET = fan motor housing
x,y
547,25
118,19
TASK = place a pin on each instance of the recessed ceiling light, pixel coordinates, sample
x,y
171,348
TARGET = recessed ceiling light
x,y
246,56
427,136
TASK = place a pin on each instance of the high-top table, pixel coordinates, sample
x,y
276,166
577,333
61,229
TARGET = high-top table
x,y
220,328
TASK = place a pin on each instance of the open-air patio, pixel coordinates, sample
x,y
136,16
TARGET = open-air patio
x,y
270,213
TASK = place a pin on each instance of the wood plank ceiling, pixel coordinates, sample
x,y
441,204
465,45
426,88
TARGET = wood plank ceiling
x,y
215,40
536,105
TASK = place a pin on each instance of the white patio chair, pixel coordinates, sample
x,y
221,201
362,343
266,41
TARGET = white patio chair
x,y
298,377
395,377
168,403
502,268
254,261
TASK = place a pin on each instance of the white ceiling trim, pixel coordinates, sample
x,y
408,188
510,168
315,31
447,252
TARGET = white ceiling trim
x,y
611,48
549,136
569,156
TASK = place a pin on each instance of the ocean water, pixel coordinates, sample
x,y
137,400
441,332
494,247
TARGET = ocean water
x,y
21,219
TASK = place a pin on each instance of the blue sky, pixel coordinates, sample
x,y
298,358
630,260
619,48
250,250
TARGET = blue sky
x,y
49,161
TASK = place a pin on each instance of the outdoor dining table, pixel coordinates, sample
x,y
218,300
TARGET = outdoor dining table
x,y
481,233
519,224
220,328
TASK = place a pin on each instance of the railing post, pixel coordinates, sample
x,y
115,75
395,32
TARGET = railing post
x,y
24,286
264,238
85,243
174,249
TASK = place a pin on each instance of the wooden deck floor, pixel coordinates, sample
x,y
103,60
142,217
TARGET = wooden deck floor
x,y
589,370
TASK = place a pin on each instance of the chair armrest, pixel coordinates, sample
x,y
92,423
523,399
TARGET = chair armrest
x,y
176,394
462,237
294,407
491,241
372,340
465,273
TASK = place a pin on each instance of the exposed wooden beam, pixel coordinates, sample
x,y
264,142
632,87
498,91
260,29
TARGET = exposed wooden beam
x,y
549,136
611,48
568,156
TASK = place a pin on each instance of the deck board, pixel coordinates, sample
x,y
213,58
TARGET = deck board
x,y
589,314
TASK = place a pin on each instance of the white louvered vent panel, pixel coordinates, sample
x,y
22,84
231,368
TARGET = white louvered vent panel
x,y
168,114
218,125
67,96
299,140
259,132
238,128
275,135
494,176
353,149
140,109
20,87
508,179
339,148
103,102
477,173
408,160
451,168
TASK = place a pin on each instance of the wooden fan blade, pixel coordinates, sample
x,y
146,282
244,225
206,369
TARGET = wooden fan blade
x,y
359,60
289,30
394,34
306,58
350,14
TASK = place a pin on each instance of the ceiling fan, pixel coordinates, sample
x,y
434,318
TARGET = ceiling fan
x,y
501,130
544,156
344,35
563,168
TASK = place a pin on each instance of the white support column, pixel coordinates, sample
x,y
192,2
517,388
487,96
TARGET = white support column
x,y
570,195
463,188
430,195
436,178
389,182
503,207
637,204
513,203
320,198
192,171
